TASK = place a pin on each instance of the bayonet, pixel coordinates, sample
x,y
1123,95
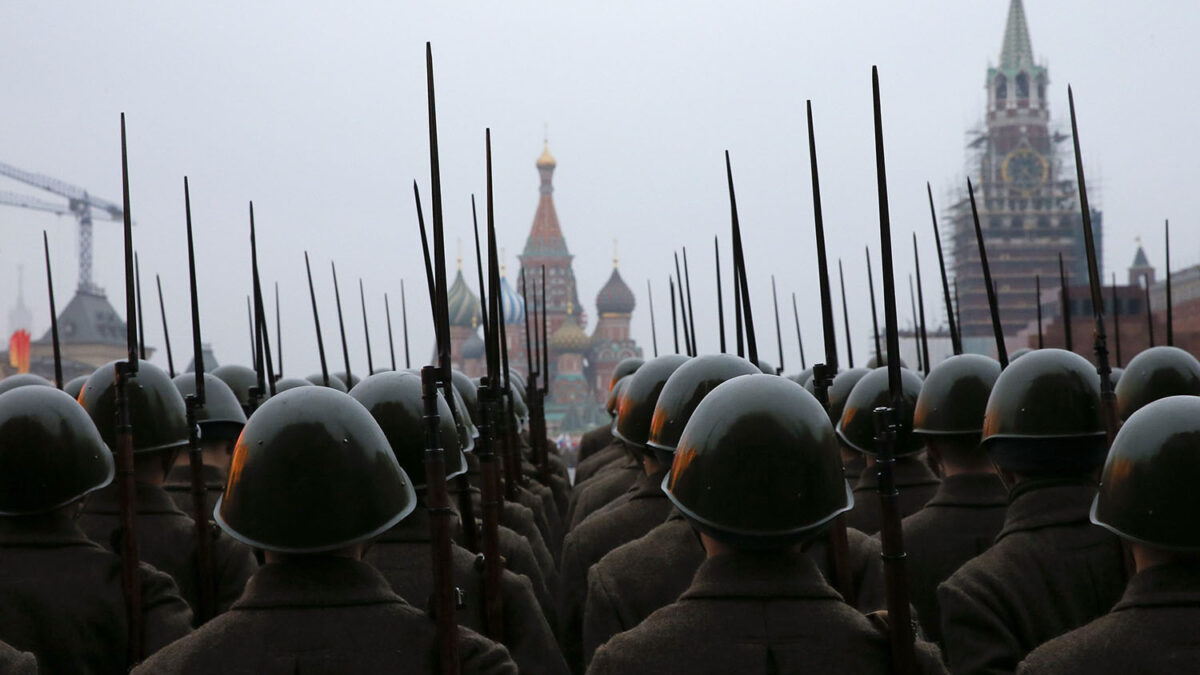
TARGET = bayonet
x,y
720,296
404,324
683,313
921,308
653,328
1149,316
739,258
137,276
387,311
955,329
874,313
778,331
1116,310
737,314
278,334
260,313
799,339
674,318
317,322
1170,305
1065,292
997,329
912,299
337,296
58,376
687,278
362,298
166,334
1037,281
846,317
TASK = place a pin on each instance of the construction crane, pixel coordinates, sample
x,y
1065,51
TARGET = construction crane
x,y
80,204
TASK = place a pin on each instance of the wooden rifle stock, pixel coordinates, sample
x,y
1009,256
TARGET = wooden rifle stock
x,y
445,595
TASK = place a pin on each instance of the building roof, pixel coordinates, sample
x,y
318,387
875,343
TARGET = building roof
x,y
1016,52
88,319
512,304
1140,259
461,304
615,297
570,337
473,347
546,237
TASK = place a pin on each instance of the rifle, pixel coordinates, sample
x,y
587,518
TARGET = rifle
x,y
166,334
1170,307
278,334
440,513
250,325
404,319
537,441
683,311
997,330
337,296
1108,399
799,339
955,329
912,299
720,294
387,311
207,605
1037,284
1116,320
362,298
260,314
674,318
1066,306
874,313
687,277
737,313
778,332
739,259
846,317
921,307
141,326
653,328
886,426
58,376
131,580
823,373
317,322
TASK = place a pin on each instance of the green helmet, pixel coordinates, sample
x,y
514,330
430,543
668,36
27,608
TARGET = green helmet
x,y
1148,488
334,382
23,380
684,390
1115,376
1043,415
955,396
1157,373
50,452
350,381
312,472
626,366
469,393
463,427
614,398
241,380
641,395
285,383
222,417
839,391
156,409
75,385
766,368
802,377
876,362
758,465
1018,354
856,428
394,400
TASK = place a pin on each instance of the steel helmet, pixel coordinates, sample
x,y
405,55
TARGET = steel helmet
x,y
334,382
856,428
23,380
627,366
75,385
641,395
241,380
285,383
312,472
955,395
222,417
156,409
839,391
683,391
1157,373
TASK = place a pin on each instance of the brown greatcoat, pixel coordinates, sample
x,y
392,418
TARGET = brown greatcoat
x,y
595,440
745,612
402,555
517,521
62,598
1151,630
608,454
914,480
959,523
321,614
602,489
167,540
1049,571
644,508
179,487
635,579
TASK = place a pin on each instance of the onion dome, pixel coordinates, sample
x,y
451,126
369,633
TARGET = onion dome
x,y
461,304
513,304
570,337
546,160
615,297
473,347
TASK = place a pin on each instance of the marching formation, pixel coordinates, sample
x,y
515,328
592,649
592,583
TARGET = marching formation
x,y
976,515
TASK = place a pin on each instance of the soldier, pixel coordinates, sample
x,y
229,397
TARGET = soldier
x,y
839,391
757,473
617,467
166,535
62,593
1049,570
632,515
402,553
967,511
316,606
614,451
1148,498
221,420
600,437
856,430
1157,373
637,578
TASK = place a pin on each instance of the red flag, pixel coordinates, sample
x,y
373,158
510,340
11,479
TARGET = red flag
x,y
18,351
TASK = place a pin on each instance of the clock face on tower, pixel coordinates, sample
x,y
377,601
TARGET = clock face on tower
x,y
1024,166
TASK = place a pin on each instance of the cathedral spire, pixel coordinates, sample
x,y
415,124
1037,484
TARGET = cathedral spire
x,y
1017,51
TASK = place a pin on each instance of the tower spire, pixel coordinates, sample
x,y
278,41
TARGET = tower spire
x,y
1017,51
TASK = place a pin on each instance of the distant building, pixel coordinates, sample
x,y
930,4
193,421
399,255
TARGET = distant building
x,y
1026,197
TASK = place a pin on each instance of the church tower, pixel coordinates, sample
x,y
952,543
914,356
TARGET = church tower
x,y
1025,193
611,343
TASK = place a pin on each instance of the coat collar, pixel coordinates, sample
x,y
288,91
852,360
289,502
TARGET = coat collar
x,y
1163,586
1035,504
150,499
909,471
182,475
648,486
316,581
45,530
970,489
774,574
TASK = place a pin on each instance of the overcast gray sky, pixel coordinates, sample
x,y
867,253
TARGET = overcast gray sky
x,y
316,111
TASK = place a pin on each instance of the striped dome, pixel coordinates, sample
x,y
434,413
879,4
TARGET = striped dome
x,y
570,337
461,304
514,305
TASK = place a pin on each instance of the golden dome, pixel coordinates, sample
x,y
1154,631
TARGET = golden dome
x,y
546,161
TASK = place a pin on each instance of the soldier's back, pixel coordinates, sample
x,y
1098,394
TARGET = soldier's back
x,y
754,613
588,468
601,490
321,615
1049,571
914,481
63,601
594,441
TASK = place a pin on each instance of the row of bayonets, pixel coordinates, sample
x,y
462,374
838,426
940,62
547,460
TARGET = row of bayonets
x,y
496,430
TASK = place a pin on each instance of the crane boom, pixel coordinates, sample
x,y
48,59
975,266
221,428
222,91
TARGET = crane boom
x,y
60,188
14,199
